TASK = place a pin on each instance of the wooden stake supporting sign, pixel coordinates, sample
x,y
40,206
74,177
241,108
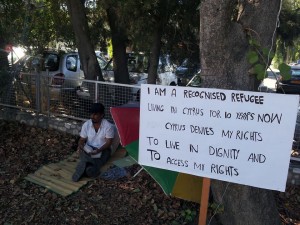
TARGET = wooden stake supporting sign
x,y
204,201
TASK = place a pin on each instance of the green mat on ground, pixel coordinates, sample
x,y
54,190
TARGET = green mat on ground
x,y
125,162
57,177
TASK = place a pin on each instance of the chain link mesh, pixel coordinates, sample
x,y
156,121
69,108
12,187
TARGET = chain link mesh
x,y
35,92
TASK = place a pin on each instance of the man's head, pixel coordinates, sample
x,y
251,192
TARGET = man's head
x,y
97,112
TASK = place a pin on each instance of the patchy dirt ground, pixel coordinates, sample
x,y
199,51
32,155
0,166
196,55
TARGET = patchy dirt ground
x,y
138,201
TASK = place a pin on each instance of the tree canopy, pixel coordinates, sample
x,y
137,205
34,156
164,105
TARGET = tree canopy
x,y
228,33
46,24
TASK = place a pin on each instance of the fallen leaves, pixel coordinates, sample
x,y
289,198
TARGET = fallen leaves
x,y
134,201
126,201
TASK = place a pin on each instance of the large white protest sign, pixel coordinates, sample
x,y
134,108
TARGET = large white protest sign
x,y
236,136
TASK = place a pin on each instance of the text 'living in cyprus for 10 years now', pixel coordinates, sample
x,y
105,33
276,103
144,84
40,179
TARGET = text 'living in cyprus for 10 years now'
x,y
221,134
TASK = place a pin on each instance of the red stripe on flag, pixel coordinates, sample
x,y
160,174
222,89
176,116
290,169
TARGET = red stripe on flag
x,y
127,121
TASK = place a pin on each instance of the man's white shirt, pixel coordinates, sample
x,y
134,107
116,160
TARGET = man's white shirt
x,y
97,139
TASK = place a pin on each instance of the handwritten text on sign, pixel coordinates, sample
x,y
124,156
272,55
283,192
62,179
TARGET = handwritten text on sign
x,y
236,136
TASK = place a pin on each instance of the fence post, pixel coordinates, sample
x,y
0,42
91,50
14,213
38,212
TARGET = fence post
x,y
37,90
48,92
43,93
96,90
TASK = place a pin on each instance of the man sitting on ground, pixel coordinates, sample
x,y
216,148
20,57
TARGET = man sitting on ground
x,y
96,137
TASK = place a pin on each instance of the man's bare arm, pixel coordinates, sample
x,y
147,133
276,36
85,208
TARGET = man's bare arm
x,y
81,144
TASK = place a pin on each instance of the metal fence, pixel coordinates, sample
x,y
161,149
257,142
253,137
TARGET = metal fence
x,y
63,97
72,98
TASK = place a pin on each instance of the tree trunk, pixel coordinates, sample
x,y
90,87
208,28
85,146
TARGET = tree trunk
x,y
86,50
161,20
119,40
154,53
5,77
224,44
3,56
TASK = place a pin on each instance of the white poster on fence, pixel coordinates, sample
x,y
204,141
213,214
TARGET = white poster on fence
x,y
236,136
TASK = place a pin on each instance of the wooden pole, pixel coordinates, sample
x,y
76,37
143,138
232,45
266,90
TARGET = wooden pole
x,y
204,201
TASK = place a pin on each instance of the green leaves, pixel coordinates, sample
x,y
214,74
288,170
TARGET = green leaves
x,y
267,53
253,42
188,215
285,71
259,58
252,57
260,71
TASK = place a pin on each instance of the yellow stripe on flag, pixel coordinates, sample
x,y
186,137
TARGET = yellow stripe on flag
x,y
188,187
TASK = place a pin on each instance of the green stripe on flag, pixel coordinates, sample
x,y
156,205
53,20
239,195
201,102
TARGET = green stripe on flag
x,y
133,149
165,178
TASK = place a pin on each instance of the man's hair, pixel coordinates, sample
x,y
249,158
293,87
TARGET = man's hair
x,y
97,108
